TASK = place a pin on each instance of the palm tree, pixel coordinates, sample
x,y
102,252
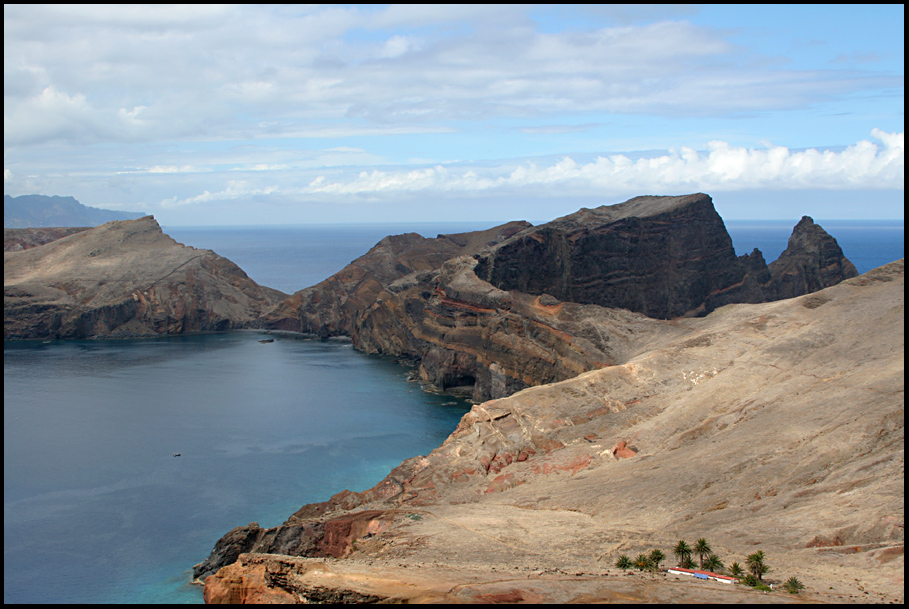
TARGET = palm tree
x,y
702,549
756,565
682,551
713,563
793,585
623,562
735,570
642,562
656,557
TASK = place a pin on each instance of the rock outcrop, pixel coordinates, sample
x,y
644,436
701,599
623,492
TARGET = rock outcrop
x,y
493,312
813,260
759,426
125,279
335,306
661,256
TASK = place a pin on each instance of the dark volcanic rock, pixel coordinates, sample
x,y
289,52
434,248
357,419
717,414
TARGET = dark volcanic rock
x,y
492,312
813,260
661,256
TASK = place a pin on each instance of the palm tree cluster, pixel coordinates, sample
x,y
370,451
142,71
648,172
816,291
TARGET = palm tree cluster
x,y
756,565
708,561
643,562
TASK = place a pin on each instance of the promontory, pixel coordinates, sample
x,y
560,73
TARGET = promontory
x,y
636,383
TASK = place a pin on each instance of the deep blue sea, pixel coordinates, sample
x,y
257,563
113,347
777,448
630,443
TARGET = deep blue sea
x,y
96,508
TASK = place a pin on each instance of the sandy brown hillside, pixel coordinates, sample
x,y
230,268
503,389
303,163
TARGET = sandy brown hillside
x,y
775,426
122,279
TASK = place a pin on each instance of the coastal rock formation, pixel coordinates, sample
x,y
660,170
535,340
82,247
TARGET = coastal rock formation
x,y
334,306
812,261
125,279
524,499
493,312
661,256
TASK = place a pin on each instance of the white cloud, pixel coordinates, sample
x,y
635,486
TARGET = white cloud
x,y
142,73
721,167
235,189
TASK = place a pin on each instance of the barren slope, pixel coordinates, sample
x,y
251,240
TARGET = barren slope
x,y
775,426
125,278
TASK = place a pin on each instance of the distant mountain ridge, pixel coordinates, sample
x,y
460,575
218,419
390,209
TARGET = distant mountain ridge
x,y
41,211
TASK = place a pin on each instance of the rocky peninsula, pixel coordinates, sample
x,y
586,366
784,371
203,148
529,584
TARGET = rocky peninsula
x,y
635,383
774,426
121,279
493,312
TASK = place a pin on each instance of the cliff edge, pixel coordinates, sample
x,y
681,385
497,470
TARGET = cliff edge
x,y
125,279
493,312
774,426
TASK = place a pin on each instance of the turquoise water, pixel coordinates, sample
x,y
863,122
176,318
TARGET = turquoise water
x,y
96,508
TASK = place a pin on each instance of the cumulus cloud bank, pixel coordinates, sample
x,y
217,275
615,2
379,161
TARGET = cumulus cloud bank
x,y
722,167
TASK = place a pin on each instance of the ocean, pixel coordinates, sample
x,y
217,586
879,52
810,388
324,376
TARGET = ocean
x,y
98,510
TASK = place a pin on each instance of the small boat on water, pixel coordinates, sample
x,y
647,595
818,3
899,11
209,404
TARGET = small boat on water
x,y
176,454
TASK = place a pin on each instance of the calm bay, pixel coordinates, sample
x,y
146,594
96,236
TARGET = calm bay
x,y
96,507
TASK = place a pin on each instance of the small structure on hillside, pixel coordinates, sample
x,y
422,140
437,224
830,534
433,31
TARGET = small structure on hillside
x,y
703,575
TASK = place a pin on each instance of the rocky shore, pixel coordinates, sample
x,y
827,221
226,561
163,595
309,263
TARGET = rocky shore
x,y
774,426
602,428
635,382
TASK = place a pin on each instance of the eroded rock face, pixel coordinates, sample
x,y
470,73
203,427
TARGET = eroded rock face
x,y
467,334
661,256
530,480
335,306
126,279
489,313
813,260
311,537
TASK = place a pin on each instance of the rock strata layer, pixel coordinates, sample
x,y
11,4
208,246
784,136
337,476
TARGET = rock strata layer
x,y
774,426
125,279
493,312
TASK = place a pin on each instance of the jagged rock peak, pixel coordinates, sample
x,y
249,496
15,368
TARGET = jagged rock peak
x,y
812,261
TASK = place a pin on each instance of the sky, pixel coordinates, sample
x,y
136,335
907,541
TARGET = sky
x,y
291,114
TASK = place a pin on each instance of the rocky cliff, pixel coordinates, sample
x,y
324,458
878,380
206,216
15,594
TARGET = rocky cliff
x,y
661,256
812,261
493,312
774,426
125,278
